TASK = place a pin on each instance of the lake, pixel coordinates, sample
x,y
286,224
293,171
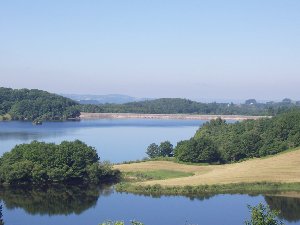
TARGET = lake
x,y
118,141
115,140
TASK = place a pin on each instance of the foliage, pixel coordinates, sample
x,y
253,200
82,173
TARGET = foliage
x,y
218,141
193,191
263,215
197,151
39,163
25,104
165,149
177,106
153,150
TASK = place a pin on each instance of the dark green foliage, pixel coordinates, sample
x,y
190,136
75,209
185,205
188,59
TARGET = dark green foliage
x,y
219,141
165,149
40,163
177,106
153,150
25,104
197,151
263,215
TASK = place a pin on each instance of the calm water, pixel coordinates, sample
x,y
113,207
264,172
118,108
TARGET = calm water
x,y
117,141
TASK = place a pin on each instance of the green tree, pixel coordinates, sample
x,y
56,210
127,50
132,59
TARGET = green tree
x,y
166,149
263,215
153,150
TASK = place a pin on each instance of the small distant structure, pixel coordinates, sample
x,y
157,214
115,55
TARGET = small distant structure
x,y
251,102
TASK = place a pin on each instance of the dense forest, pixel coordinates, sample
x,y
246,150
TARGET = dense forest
x,y
43,163
25,104
218,141
177,105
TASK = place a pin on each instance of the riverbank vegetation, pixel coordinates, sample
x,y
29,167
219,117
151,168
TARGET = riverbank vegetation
x,y
218,141
200,190
35,105
49,163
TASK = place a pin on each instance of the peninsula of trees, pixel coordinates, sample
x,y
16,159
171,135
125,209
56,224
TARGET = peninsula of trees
x,y
25,104
220,142
43,163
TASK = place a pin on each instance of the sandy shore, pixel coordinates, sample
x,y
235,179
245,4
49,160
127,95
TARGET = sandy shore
x,y
164,116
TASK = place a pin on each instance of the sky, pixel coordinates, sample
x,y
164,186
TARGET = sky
x,y
195,49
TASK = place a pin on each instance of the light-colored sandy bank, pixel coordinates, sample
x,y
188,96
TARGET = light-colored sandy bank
x,y
164,116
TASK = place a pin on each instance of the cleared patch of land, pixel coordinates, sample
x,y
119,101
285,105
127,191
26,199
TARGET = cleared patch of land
x,y
281,168
164,116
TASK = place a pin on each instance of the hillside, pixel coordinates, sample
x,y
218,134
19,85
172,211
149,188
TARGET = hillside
x,y
283,167
25,104
185,106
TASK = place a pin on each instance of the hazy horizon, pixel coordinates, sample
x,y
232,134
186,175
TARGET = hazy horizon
x,y
187,49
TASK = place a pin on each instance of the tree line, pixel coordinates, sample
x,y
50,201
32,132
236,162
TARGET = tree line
x,y
220,142
25,104
49,163
181,106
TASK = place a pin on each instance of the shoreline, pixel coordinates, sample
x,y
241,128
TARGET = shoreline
x,y
214,189
94,116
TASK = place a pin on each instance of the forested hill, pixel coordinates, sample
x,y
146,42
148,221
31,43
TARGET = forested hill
x,y
218,141
25,104
177,105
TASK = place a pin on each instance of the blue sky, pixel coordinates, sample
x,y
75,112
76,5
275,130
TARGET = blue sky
x,y
160,48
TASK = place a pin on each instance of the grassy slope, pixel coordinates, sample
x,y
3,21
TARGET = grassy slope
x,y
284,168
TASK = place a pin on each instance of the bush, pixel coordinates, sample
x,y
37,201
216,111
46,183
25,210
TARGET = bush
x,y
263,215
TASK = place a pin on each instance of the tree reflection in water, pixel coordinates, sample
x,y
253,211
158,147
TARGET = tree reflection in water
x,y
55,200
289,206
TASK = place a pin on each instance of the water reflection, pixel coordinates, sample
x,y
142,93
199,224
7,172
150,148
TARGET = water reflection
x,y
58,200
289,206
66,200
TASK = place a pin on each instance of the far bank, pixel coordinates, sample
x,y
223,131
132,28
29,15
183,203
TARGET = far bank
x,y
166,116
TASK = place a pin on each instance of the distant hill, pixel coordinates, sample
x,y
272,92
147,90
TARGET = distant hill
x,y
103,99
25,104
178,105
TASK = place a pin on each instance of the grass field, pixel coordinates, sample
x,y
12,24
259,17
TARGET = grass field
x,y
281,168
155,175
